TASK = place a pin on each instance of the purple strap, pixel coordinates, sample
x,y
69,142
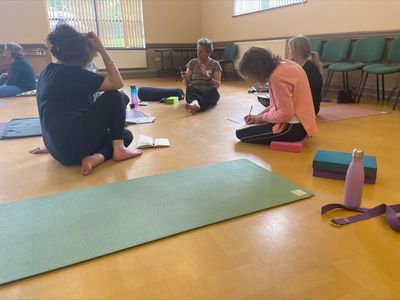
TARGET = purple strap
x,y
366,213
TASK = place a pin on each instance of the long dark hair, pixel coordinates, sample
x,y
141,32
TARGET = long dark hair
x,y
70,46
257,64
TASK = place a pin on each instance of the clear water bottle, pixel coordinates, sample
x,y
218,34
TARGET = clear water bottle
x,y
134,98
354,183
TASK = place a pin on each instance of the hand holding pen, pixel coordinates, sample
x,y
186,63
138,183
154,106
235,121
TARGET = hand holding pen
x,y
250,119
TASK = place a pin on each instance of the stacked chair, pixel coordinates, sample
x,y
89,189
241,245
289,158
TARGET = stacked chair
x,y
333,51
228,58
392,66
365,51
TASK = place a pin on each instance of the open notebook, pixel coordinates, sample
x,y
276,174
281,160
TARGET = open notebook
x,y
148,142
138,117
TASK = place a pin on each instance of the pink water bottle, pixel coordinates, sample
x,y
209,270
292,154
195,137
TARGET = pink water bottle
x,y
354,183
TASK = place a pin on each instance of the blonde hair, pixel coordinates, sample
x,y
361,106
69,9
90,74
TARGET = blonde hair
x,y
301,45
15,49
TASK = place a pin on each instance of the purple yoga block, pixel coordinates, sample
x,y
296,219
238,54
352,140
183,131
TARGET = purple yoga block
x,y
287,146
341,176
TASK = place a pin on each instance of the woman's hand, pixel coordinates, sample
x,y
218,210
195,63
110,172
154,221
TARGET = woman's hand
x,y
204,71
250,119
95,41
4,75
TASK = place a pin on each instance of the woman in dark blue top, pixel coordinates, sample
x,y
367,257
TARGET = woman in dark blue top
x,y
20,76
300,52
75,128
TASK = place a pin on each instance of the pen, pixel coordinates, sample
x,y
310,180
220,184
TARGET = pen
x,y
251,108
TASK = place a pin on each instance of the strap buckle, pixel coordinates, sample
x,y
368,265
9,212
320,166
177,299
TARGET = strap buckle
x,y
333,223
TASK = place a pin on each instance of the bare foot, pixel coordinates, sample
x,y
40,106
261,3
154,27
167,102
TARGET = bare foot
x,y
90,162
39,150
125,153
192,108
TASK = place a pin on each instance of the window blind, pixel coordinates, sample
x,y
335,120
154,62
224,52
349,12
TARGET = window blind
x,y
118,23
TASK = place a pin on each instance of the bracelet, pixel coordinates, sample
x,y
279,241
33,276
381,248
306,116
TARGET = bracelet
x,y
109,63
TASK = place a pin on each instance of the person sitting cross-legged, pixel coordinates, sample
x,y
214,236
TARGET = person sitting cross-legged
x,y
76,129
202,78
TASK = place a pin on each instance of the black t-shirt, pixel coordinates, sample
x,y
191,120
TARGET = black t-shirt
x,y
21,74
63,94
315,82
65,89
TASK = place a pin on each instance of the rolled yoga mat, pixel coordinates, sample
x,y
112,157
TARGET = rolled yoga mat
x,y
48,233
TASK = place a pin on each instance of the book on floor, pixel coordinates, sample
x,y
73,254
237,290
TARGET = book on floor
x,y
148,142
138,117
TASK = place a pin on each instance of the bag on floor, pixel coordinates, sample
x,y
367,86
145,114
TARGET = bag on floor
x,y
345,97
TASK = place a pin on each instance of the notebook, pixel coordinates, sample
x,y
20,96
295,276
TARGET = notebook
x,y
138,117
148,142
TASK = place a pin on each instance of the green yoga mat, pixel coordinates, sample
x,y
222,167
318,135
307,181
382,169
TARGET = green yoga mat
x,y
48,233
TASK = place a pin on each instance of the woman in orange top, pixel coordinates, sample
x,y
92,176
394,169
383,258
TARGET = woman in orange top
x,y
290,116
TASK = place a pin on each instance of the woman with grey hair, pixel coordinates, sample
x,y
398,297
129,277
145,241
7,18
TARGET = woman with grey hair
x,y
20,76
202,78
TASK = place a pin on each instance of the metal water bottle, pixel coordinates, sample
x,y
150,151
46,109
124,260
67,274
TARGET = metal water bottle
x,y
354,183
134,98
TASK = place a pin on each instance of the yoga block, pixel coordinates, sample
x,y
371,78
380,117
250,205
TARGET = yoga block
x,y
326,160
341,176
287,146
172,100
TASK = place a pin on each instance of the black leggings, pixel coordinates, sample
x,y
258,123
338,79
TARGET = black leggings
x,y
206,99
262,133
93,130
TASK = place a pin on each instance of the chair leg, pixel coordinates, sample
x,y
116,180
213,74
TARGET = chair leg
x,y
327,83
397,100
358,86
362,85
377,89
383,88
234,71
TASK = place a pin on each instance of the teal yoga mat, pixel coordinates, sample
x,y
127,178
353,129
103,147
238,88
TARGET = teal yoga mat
x,y
48,233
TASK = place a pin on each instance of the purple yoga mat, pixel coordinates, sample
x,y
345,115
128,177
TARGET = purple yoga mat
x,y
336,175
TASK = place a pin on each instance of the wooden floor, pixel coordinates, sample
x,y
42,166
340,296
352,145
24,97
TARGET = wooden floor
x,y
288,252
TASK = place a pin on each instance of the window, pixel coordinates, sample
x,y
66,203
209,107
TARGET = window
x,y
118,23
248,6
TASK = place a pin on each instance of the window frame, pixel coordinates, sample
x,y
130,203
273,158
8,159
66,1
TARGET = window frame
x,y
264,9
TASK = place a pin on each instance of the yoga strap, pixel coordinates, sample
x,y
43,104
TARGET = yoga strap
x,y
366,213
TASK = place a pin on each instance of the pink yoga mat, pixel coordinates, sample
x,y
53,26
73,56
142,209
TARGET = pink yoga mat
x,y
345,111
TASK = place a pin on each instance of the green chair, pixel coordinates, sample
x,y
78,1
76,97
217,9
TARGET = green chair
x,y
333,51
393,66
365,51
316,45
228,58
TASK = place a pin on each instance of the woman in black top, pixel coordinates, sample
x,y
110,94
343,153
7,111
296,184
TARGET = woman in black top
x,y
75,128
300,52
20,76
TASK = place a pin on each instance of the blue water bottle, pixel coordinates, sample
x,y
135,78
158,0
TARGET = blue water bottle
x,y
134,98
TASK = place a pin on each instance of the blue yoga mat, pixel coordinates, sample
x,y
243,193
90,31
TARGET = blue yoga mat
x,y
52,232
19,128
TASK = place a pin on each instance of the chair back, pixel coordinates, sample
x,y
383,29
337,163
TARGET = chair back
x,y
230,52
394,51
316,45
335,50
368,50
